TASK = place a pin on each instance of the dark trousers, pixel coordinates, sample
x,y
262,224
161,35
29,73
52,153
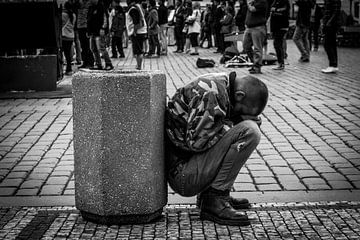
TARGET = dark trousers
x,y
206,36
66,47
218,38
314,34
86,54
279,45
154,43
217,167
330,46
179,38
117,45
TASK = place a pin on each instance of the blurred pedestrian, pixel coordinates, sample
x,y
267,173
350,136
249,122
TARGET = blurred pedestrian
x,y
87,57
163,22
316,15
255,33
218,16
279,24
98,27
331,23
179,21
226,28
153,30
301,38
117,32
137,29
68,34
194,28
206,27
241,16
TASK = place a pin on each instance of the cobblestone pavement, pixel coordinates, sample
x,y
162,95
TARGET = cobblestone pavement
x,y
311,130
319,220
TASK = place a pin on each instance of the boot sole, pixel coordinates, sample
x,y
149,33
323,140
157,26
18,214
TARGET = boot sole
x,y
211,217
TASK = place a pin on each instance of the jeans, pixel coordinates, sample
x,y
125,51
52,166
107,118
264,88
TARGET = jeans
x,y
179,37
154,43
163,38
330,46
254,37
66,47
219,166
86,54
279,45
98,45
301,40
314,32
117,45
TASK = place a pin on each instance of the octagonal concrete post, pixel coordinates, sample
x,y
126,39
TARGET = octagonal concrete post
x,y
118,145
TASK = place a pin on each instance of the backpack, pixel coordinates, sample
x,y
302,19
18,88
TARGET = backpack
x,y
204,63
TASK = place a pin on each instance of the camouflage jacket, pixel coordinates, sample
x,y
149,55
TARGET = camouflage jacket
x,y
197,115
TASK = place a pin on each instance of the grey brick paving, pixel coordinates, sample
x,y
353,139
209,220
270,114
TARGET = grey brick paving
x,y
316,220
311,129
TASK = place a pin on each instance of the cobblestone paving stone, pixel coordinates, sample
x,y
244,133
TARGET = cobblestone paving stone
x,y
317,220
311,129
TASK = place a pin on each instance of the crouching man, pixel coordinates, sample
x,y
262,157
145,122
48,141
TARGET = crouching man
x,y
212,127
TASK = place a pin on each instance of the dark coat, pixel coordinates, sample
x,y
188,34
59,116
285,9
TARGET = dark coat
x,y
97,19
118,24
280,16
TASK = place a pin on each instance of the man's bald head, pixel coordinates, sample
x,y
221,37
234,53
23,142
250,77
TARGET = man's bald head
x,y
250,95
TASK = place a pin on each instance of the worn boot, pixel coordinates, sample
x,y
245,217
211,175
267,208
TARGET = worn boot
x,y
216,207
236,203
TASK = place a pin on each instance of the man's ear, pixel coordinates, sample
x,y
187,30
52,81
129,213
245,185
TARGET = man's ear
x,y
239,95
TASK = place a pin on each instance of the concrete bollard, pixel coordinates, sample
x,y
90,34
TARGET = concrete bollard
x,y
119,146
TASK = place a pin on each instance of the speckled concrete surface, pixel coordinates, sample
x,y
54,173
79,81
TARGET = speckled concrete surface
x,y
118,142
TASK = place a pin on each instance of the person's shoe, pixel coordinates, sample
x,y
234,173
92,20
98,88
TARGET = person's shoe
x,y
236,203
122,56
176,51
163,54
330,70
148,55
187,51
255,70
156,56
217,51
109,67
279,67
113,56
304,60
215,206
194,53
96,68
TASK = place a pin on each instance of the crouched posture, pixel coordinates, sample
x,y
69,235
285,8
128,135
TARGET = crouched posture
x,y
212,128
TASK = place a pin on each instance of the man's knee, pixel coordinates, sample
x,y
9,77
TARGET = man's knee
x,y
250,131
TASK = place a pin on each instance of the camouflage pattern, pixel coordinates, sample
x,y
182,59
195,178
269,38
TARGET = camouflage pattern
x,y
197,115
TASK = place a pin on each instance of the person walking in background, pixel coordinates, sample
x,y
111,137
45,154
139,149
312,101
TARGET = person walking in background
x,y
82,7
117,32
137,29
218,16
194,28
331,24
241,16
179,20
163,21
206,27
68,21
279,24
255,33
98,27
301,38
153,30
316,15
226,27
188,22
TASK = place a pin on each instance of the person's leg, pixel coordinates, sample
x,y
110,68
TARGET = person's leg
x,y
104,52
157,44
113,47
330,47
151,45
316,36
94,45
119,45
177,38
77,47
310,34
67,52
163,38
247,44
86,54
297,38
305,39
279,49
258,36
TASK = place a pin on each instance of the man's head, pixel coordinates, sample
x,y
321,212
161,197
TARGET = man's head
x,y
248,95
